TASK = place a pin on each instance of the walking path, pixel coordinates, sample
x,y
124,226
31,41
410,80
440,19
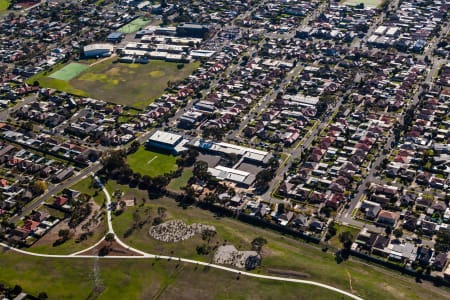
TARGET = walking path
x,y
145,255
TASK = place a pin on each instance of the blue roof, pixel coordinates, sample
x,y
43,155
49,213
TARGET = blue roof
x,y
115,35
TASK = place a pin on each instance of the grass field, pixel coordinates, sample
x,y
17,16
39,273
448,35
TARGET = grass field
x,y
57,84
281,253
130,84
69,71
4,4
334,241
111,279
134,25
151,163
177,183
367,3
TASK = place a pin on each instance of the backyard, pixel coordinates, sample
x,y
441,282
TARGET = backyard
x,y
151,163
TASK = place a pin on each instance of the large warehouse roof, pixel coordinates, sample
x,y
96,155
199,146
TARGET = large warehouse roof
x,y
103,46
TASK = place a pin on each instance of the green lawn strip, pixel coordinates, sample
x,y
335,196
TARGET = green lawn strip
x,y
281,253
177,183
151,163
141,279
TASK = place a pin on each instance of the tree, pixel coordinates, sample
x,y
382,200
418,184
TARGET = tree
x,y
388,230
398,233
110,238
258,243
264,176
39,187
201,170
64,234
162,211
134,146
346,238
281,209
114,161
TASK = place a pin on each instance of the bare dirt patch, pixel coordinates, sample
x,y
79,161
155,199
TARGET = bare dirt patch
x,y
287,273
229,255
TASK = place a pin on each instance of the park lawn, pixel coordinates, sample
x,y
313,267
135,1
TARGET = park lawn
x,y
4,4
134,85
151,163
74,278
281,252
334,241
177,183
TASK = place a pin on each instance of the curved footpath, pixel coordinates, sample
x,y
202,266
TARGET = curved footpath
x,y
145,255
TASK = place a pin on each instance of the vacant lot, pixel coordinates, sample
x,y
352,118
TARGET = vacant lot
x,y
69,72
281,253
81,278
151,163
367,3
134,25
130,84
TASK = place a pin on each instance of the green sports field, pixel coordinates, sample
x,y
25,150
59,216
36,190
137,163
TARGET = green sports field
x,y
134,25
151,163
69,72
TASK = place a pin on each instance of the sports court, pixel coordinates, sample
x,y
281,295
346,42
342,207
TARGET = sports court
x,y
134,25
69,72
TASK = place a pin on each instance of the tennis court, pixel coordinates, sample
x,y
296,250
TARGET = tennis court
x,y
134,25
69,72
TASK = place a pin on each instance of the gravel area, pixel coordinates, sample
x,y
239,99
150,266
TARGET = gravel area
x,y
229,255
176,231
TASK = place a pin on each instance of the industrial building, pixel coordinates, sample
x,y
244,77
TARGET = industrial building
x,y
98,50
114,37
192,30
167,141
250,155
